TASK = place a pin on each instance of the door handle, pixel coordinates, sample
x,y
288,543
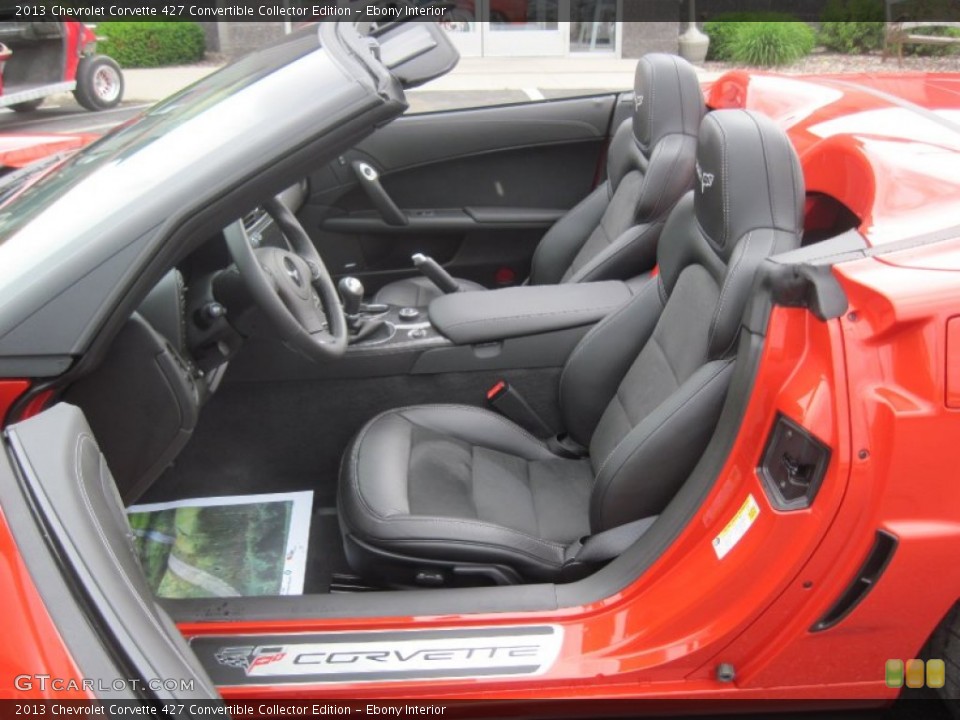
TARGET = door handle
x,y
370,182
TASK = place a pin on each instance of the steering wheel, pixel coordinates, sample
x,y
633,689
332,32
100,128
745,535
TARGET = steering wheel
x,y
293,289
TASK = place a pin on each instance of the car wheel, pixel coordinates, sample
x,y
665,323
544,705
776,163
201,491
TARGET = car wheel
x,y
945,645
28,106
99,83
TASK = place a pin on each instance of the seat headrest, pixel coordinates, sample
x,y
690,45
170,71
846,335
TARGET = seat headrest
x,y
748,177
667,99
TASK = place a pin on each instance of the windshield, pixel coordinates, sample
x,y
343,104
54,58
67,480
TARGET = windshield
x,y
10,183
141,131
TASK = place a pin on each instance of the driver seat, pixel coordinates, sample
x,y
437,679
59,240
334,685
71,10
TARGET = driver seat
x,y
612,234
435,494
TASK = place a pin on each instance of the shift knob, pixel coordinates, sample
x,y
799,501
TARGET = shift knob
x,y
351,292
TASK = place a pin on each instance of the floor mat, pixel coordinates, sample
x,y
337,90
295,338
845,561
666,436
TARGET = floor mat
x,y
224,546
327,568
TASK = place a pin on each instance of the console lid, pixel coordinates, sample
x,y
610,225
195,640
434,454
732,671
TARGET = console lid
x,y
487,315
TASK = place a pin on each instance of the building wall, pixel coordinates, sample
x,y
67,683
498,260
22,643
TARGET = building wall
x,y
657,33
234,39
643,37
211,35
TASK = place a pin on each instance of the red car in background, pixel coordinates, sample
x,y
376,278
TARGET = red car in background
x,y
39,59
809,555
20,149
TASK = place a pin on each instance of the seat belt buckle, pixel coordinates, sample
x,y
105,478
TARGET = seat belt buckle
x,y
566,447
508,402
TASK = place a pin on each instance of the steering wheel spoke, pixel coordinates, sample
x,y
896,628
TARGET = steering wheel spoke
x,y
293,289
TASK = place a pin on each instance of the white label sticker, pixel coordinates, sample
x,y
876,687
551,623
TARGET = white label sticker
x,y
736,528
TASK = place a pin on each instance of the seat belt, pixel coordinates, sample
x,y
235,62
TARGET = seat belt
x,y
507,400
503,398
582,555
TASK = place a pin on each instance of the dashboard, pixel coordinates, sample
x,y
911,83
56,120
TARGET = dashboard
x,y
144,400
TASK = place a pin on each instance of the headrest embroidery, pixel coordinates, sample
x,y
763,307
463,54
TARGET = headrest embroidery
x,y
706,179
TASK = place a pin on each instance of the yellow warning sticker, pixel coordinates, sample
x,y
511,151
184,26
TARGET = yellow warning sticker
x,y
736,528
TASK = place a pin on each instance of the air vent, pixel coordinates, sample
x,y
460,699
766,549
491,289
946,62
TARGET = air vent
x,y
865,580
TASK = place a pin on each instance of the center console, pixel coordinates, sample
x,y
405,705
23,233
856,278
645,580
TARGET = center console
x,y
526,327
517,327
477,317
397,329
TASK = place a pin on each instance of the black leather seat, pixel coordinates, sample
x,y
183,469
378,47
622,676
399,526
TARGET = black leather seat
x,y
612,233
431,488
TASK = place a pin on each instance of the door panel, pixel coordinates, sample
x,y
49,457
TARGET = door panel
x,y
430,137
72,489
477,189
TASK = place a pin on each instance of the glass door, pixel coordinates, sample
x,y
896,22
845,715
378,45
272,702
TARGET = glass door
x,y
462,23
593,26
516,28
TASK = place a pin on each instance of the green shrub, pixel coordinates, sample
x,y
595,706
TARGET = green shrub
x,y
767,44
722,29
152,44
852,26
851,37
854,11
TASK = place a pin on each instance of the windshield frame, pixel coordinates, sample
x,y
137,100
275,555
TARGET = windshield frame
x,y
67,260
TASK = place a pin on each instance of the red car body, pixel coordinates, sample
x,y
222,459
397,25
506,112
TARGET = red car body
x,y
17,151
43,57
77,37
880,385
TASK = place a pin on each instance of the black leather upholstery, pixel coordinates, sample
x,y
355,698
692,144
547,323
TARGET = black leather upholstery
x,y
613,232
460,483
417,291
468,318
642,391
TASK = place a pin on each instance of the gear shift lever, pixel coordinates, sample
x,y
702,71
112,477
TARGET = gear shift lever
x,y
351,292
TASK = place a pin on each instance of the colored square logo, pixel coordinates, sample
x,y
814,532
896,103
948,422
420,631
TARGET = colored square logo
x,y
915,673
936,673
893,673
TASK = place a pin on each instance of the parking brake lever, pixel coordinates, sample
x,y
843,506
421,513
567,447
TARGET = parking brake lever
x,y
436,274
370,182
